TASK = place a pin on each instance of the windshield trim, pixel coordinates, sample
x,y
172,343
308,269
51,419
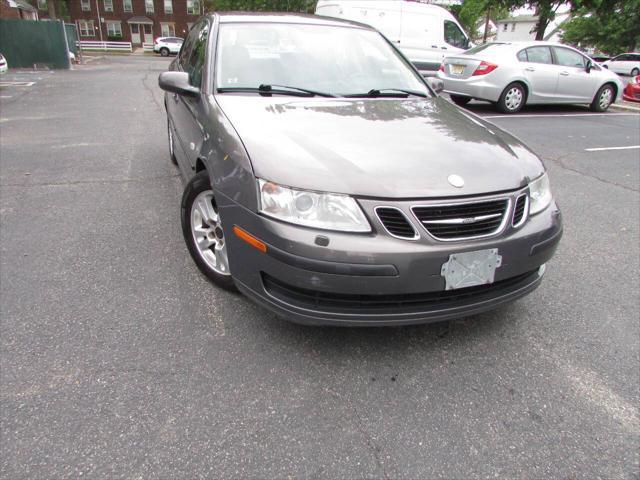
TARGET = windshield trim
x,y
216,44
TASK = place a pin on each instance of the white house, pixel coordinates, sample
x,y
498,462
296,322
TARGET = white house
x,y
522,28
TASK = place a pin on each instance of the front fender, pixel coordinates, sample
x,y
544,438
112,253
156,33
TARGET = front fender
x,y
226,159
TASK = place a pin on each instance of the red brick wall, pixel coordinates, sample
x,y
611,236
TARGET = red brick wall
x,y
179,18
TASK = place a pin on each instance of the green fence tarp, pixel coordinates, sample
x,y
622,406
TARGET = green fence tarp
x,y
25,43
72,37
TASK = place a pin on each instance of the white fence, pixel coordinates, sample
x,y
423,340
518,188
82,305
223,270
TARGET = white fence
x,y
147,47
106,46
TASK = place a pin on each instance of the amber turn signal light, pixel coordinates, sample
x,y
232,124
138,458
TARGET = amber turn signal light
x,y
250,239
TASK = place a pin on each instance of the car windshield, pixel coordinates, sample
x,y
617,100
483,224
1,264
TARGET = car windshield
x,y
329,60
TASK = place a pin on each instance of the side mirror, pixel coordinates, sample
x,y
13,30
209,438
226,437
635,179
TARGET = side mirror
x,y
589,66
177,82
436,84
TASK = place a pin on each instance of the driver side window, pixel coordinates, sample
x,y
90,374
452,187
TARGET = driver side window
x,y
196,60
453,35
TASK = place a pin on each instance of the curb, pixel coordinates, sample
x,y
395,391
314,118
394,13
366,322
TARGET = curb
x,y
628,108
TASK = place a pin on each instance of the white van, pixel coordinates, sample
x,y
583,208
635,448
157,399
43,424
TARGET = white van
x,y
424,33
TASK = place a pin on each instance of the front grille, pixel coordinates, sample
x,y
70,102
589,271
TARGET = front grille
x,y
463,220
399,303
395,222
520,210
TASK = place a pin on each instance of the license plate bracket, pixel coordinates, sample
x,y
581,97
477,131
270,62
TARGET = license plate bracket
x,y
469,269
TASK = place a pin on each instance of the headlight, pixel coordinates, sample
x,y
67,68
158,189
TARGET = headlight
x,y
540,194
329,211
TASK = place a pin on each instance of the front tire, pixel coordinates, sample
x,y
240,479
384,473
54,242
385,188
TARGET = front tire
x,y
460,100
513,98
203,231
603,99
635,72
164,52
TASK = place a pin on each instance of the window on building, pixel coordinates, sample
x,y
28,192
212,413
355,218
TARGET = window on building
x,y
168,30
505,26
127,6
513,27
86,5
108,5
114,30
42,4
193,7
148,6
86,28
168,6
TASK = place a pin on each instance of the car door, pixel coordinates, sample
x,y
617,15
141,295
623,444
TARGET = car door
x,y
574,83
420,39
189,129
541,73
616,64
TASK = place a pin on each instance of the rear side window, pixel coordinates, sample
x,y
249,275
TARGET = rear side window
x,y
569,58
539,55
453,35
522,56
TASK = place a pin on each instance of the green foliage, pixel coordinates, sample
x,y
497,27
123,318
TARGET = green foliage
x,y
611,27
307,6
474,12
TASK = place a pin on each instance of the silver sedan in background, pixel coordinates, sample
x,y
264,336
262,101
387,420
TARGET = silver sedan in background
x,y
515,74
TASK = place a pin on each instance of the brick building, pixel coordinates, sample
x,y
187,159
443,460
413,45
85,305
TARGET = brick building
x,y
135,21
18,9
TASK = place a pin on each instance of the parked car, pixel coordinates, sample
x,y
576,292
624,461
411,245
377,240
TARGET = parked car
x,y
3,64
632,90
424,33
515,74
626,64
599,59
167,45
328,182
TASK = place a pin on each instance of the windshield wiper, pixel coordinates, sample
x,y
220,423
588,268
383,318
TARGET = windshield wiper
x,y
278,90
388,92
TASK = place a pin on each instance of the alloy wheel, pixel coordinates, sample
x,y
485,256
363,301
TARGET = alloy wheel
x,y
207,233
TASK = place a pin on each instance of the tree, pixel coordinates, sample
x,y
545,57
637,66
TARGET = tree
x,y
307,6
609,26
472,12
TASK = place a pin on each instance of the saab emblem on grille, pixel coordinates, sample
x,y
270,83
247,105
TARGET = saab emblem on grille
x,y
469,220
456,181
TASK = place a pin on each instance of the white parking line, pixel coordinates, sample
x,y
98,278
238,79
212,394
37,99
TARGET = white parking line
x,y
601,149
563,115
16,84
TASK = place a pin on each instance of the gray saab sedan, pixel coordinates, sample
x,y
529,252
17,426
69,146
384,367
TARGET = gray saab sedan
x,y
327,180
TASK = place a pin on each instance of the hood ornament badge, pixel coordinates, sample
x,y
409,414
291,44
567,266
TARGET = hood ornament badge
x,y
456,181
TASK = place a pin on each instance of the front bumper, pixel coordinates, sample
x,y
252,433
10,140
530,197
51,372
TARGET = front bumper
x,y
376,279
631,93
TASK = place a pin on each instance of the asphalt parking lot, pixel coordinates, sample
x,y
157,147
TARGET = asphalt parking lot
x,y
120,360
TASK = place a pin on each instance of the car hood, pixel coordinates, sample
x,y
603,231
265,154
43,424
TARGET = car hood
x,y
392,148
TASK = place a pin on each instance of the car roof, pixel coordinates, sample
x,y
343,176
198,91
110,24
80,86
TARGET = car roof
x,y
292,18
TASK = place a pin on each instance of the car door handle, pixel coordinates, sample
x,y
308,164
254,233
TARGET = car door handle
x,y
529,69
564,74
443,48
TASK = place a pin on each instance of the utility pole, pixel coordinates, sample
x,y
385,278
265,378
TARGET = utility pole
x,y
99,22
